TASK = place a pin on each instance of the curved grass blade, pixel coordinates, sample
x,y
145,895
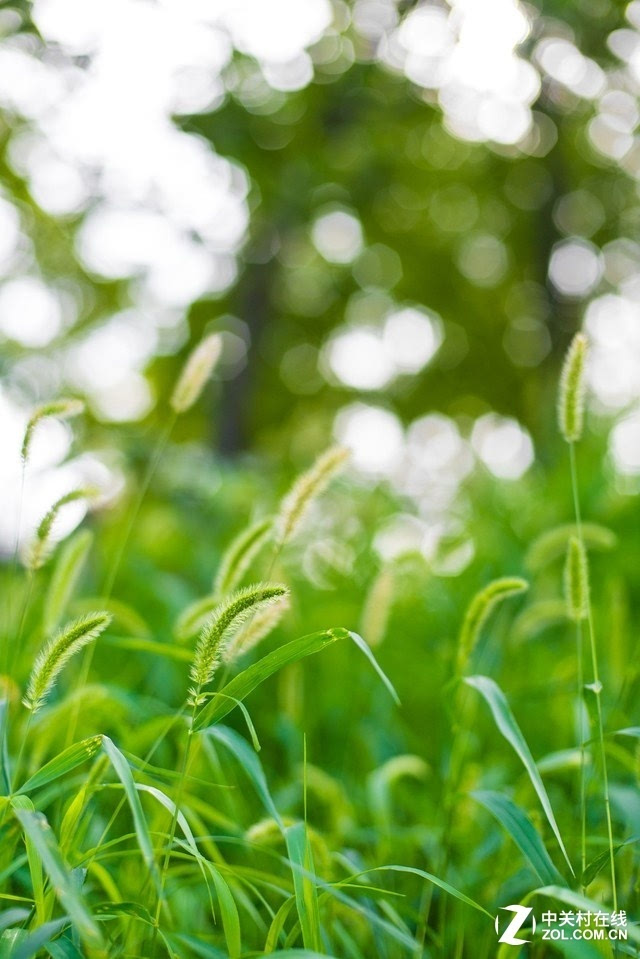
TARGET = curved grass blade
x,y
35,866
11,917
35,941
301,954
242,752
62,949
228,908
366,650
299,853
123,772
596,865
507,725
522,831
5,778
37,829
445,886
63,763
246,681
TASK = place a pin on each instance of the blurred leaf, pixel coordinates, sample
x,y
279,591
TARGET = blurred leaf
x,y
522,831
506,723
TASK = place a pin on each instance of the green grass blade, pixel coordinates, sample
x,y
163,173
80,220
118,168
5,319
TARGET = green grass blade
x,y
5,775
445,886
37,829
35,864
62,949
277,925
246,681
366,650
300,856
35,941
11,917
301,954
522,831
63,763
243,754
123,772
507,725
229,913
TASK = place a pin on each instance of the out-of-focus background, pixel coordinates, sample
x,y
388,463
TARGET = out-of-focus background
x,y
396,212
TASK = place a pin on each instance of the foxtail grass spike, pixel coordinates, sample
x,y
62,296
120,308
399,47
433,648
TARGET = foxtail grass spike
x,y
305,490
254,631
57,652
552,544
40,548
572,388
63,409
377,606
576,580
225,619
195,373
239,555
480,608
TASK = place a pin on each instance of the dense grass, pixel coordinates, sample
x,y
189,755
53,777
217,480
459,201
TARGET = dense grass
x,y
278,798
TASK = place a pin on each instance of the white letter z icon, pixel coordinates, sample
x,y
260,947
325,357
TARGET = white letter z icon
x,y
509,937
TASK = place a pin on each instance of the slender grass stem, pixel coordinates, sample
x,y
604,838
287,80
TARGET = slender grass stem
x,y
596,681
452,775
112,574
583,739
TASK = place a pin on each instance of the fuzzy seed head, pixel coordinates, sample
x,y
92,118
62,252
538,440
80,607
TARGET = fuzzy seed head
x,y
196,371
57,651
64,409
377,606
40,548
572,390
223,622
256,629
479,610
576,580
305,490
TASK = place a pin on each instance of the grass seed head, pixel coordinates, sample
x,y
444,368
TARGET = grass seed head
x,y
377,606
57,651
64,409
41,546
479,610
240,554
195,373
572,390
305,490
576,580
256,629
223,622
